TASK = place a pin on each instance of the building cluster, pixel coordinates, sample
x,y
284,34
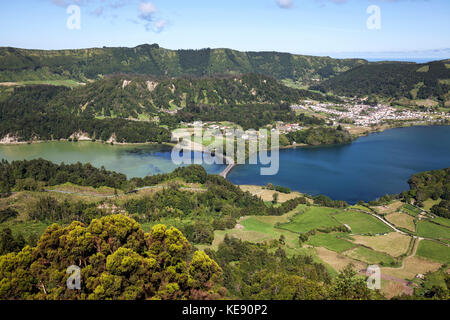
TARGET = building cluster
x,y
288,127
206,125
365,115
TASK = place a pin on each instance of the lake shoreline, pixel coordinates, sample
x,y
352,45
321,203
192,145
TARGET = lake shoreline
x,y
9,140
367,168
230,164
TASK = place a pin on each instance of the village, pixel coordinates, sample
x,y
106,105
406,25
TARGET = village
x,y
357,114
366,115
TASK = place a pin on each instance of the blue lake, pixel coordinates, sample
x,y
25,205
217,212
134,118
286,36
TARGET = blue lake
x,y
366,169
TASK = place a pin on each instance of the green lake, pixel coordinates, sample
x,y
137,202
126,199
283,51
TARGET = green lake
x,y
132,160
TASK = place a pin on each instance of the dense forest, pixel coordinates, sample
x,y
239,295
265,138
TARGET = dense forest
x,y
168,69
33,175
22,65
118,260
431,184
392,80
320,135
30,113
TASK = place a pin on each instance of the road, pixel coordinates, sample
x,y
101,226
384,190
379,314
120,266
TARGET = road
x,y
401,232
227,160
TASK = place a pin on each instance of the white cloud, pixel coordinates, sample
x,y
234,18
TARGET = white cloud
x,y
148,15
147,10
285,4
160,25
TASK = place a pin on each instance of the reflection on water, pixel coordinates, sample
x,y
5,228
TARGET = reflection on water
x,y
370,167
132,160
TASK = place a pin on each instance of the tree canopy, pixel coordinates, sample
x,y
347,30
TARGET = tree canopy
x,y
118,260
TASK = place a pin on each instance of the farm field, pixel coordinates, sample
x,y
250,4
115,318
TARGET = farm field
x,y
402,220
30,228
392,288
266,231
315,217
258,229
410,209
338,261
390,208
362,223
429,203
338,249
411,267
332,241
267,195
431,230
370,256
434,251
442,221
394,244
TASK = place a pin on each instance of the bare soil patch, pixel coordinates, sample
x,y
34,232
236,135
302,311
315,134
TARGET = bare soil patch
x,y
411,267
267,195
338,261
402,220
390,208
394,244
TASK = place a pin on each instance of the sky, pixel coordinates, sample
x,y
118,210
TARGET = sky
x,y
320,27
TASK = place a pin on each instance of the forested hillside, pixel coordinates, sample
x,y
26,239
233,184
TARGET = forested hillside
x,y
36,113
349,77
130,96
22,65
102,109
393,80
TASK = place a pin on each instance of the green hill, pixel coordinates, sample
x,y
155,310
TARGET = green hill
x,y
104,107
395,80
27,65
130,96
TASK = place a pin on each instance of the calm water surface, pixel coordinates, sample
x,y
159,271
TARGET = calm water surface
x,y
134,161
370,167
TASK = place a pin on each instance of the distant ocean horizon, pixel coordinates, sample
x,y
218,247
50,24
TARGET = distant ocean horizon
x,y
416,60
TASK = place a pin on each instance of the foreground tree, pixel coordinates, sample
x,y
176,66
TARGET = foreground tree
x,y
349,286
118,260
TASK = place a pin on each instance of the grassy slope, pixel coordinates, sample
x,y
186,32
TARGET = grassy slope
x,y
316,217
370,256
362,223
332,241
431,230
434,251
